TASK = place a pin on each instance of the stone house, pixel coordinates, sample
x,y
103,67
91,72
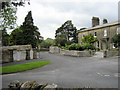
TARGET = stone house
x,y
103,33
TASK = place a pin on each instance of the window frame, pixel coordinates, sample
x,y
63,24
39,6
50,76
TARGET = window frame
x,y
105,32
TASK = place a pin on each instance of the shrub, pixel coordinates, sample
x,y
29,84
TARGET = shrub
x,y
75,46
59,45
97,49
80,47
66,47
88,46
72,46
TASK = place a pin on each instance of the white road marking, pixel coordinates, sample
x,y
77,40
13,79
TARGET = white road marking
x,y
100,74
106,75
117,74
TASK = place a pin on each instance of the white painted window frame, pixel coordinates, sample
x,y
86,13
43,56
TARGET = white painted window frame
x,y
105,32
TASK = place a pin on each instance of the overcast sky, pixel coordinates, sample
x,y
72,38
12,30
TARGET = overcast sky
x,y
49,15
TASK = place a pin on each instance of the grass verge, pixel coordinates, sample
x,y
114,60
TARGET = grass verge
x,y
22,67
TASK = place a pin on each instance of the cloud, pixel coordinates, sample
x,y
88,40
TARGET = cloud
x,y
49,15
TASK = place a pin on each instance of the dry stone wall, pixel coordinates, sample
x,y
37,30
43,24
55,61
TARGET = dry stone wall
x,y
71,52
111,54
7,56
54,49
18,53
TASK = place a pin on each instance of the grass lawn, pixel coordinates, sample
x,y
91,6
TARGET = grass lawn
x,y
22,67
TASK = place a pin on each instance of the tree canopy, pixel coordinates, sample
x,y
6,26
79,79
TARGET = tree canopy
x,y
68,30
116,40
7,21
16,37
61,40
30,32
46,43
27,33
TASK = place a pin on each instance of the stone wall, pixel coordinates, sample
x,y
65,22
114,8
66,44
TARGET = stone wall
x,y
18,53
111,54
54,49
38,54
7,56
34,53
71,52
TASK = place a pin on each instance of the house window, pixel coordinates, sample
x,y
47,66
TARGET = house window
x,y
118,30
113,45
105,32
98,44
95,34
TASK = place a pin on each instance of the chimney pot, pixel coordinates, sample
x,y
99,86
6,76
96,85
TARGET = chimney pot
x,y
95,21
105,21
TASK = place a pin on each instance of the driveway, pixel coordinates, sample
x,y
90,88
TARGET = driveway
x,y
67,71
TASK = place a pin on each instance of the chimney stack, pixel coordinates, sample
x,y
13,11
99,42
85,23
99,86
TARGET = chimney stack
x,y
95,21
105,21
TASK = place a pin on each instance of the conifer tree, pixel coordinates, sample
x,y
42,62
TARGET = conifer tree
x,y
29,31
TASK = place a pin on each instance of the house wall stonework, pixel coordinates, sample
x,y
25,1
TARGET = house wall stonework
x,y
104,42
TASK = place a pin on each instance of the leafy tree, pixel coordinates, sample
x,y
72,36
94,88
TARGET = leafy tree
x,y
46,43
89,39
8,16
14,2
68,30
5,37
61,39
16,37
30,32
116,40
8,21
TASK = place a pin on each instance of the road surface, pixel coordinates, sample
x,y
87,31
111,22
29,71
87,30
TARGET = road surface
x,y
71,72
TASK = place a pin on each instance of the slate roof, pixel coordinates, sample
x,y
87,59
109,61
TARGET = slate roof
x,y
101,26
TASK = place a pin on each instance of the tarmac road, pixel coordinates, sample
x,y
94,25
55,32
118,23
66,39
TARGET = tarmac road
x,y
71,72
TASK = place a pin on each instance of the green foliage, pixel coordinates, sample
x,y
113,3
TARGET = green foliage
x,y
5,38
26,33
59,45
116,40
31,34
47,43
76,46
7,21
80,47
88,46
69,32
8,16
89,39
97,49
65,47
61,39
16,37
